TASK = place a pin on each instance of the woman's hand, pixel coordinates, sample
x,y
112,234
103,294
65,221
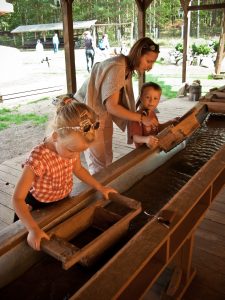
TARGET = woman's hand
x,y
105,190
152,142
34,238
145,120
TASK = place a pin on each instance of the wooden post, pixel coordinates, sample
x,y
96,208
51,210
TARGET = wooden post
x,y
44,36
185,45
22,39
69,45
185,4
220,51
142,6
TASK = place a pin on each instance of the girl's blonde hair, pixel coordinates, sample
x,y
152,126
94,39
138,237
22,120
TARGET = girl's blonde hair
x,y
71,113
140,48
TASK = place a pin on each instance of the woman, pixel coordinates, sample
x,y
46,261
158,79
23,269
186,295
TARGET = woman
x,y
109,92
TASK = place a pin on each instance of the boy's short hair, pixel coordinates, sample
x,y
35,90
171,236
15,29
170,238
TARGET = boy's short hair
x,y
151,84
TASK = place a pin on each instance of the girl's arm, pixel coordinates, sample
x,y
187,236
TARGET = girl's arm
x,y
35,234
114,108
86,177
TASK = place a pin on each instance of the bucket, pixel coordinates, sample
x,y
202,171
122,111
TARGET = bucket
x,y
195,92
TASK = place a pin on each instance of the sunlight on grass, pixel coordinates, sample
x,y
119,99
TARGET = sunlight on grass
x,y
7,118
39,100
166,89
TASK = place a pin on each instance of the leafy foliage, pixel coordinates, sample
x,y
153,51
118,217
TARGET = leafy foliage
x,y
179,47
162,16
201,49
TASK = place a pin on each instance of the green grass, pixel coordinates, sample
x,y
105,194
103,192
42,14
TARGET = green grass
x,y
166,89
39,100
9,117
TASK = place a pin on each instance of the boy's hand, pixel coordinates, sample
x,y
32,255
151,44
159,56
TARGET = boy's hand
x,y
106,190
34,238
152,142
175,120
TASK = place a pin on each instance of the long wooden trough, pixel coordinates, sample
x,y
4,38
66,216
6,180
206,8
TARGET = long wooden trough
x,y
133,269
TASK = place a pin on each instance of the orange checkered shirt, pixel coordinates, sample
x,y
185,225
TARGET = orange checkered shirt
x,y
54,174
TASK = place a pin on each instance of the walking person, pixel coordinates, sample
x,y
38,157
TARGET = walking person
x,y
89,50
109,92
40,51
55,41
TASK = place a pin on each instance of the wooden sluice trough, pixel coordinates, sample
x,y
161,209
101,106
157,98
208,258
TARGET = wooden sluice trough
x,y
163,241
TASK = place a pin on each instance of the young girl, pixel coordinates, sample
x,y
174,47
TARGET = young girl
x,y
148,101
48,172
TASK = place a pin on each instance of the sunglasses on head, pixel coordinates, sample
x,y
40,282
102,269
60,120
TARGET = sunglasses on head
x,y
153,47
83,128
88,127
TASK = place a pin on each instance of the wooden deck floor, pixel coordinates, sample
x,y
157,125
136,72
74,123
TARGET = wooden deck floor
x,y
209,250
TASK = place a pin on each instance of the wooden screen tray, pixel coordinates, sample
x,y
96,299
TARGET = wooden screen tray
x,y
172,136
108,225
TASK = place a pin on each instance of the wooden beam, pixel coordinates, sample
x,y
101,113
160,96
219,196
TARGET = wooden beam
x,y
147,3
140,4
185,4
69,45
143,4
206,6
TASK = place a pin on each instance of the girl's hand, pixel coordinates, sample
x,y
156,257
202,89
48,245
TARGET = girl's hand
x,y
105,190
152,142
34,238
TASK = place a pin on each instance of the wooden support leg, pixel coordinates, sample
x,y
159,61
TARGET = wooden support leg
x,y
183,261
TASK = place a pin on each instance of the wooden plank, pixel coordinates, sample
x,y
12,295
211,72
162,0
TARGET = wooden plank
x,y
6,214
216,216
215,107
59,248
206,6
213,227
218,206
6,187
5,199
215,280
214,263
199,290
2,225
212,246
8,178
220,198
9,170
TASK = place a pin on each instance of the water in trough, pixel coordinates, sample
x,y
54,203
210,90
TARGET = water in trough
x,y
47,279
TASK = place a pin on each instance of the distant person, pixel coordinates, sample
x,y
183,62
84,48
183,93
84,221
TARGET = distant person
x,y
104,46
89,50
47,175
40,50
147,103
55,41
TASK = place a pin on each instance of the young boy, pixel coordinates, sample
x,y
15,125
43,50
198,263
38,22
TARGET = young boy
x,y
148,101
